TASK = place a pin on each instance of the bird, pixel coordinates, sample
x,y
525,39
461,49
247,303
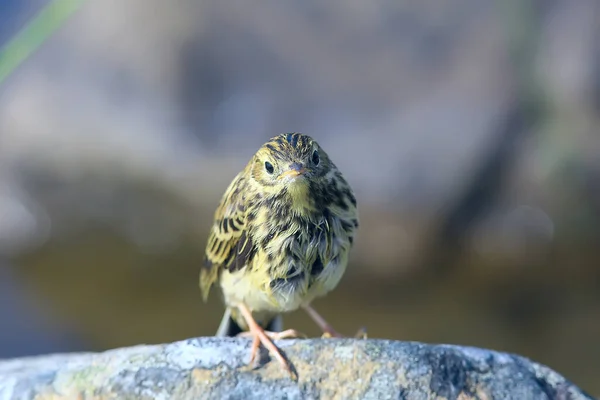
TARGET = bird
x,y
281,237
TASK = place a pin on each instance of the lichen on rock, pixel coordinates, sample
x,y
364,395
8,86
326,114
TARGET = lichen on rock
x,y
216,368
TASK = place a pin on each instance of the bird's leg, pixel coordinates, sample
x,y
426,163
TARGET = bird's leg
x,y
287,334
327,329
260,336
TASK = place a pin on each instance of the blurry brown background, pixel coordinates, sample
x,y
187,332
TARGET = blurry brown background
x,y
467,128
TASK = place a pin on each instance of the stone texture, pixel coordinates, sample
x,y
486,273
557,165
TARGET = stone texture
x,y
211,368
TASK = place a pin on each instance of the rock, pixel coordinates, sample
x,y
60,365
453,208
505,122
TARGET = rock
x,y
211,368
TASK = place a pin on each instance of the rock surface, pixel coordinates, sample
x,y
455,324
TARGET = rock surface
x,y
211,368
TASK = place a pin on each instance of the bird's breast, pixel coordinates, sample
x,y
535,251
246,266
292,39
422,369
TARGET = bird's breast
x,y
306,260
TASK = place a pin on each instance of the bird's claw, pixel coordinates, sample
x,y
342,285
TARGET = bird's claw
x,y
360,334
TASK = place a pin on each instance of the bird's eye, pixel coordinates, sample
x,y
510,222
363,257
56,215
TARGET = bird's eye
x,y
269,167
315,157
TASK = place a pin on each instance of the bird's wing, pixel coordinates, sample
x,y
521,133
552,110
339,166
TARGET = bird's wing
x,y
229,246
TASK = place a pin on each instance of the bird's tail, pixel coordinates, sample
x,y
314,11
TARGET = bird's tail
x,y
228,327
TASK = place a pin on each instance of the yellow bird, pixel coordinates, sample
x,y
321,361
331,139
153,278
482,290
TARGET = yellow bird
x,y
280,238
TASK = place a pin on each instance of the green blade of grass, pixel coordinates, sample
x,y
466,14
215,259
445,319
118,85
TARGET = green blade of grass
x,y
34,33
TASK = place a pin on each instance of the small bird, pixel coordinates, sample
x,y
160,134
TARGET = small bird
x,y
280,238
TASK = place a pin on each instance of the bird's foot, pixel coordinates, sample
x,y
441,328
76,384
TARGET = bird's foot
x,y
329,332
259,336
361,333
287,334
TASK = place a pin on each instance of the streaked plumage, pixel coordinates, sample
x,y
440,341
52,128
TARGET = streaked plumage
x,y
282,231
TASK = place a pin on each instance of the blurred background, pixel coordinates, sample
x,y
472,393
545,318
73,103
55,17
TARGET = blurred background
x,y
468,129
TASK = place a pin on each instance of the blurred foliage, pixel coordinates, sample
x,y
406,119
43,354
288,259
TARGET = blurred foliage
x,y
34,34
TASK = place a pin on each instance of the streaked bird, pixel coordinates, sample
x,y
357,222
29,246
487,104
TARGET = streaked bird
x,y
281,237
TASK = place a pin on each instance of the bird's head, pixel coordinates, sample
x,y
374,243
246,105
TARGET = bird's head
x,y
290,163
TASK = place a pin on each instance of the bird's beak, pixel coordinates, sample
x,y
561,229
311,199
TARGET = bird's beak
x,y
296,169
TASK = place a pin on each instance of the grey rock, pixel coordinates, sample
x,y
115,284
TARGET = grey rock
x,y
215,368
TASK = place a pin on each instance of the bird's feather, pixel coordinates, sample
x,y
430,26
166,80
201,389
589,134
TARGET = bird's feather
x,y
228,247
